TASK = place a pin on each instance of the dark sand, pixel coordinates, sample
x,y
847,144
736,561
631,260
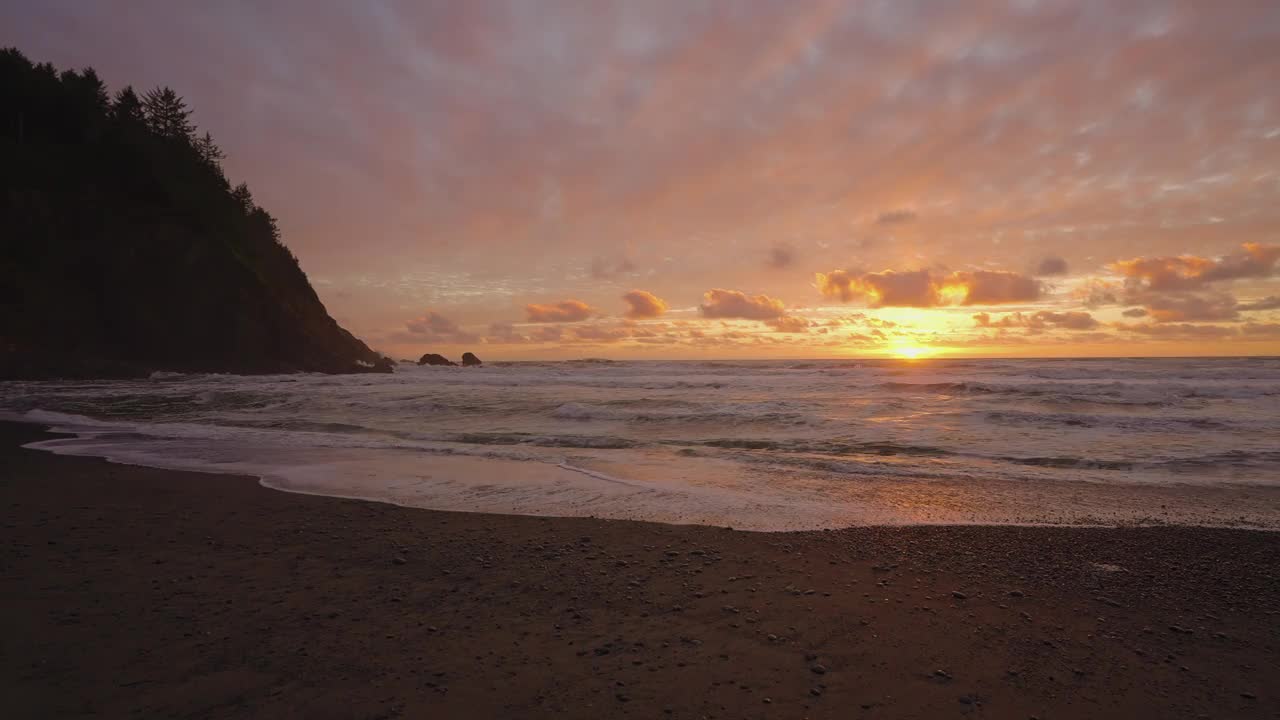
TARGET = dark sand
x,y
132,592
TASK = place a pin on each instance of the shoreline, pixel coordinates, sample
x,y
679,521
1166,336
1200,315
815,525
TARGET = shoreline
x,y
140,590
462,483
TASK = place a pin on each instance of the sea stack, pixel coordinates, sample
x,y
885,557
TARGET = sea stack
x,y
435,359
470,360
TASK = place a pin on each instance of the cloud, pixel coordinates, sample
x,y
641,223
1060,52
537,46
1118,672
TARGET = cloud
x,y
1191,272
1191,308
736,304
1041,320
781,256
996,287
789,324
922,288
434,327
1052,265
896,217
602,269
431,322
1135,312
890,288
1261,330
596,333
643,304
547,333
1181,331
505,334
1267,303
1096,292
563,311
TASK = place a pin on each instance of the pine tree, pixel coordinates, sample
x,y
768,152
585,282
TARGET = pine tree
x,y
208,151
127,107
167,115
244,197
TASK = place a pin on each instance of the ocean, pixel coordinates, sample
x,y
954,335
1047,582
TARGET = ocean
x,y
760,445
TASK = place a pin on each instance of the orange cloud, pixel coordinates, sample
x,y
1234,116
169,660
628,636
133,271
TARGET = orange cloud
x,y
1041,320
1190,272
736,304
921,288
563,311
995,287
1191,308
1096,292
789,324
1180,331
596,333
883,289
434,327
643,304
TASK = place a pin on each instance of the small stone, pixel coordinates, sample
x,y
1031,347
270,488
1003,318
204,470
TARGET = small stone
x,y
398,560
819,669
958,595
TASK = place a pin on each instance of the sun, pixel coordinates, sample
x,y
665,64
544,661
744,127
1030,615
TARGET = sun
x,y
912,352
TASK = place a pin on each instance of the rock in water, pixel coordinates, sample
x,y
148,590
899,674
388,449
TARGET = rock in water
x,y
470,360
434,359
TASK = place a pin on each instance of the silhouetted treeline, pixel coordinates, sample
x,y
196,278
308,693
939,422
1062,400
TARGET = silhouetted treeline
x,y
125,249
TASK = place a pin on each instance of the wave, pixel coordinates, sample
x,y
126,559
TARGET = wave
x,y
763,412
599,442
1115,393
882,448
1140,423
821,454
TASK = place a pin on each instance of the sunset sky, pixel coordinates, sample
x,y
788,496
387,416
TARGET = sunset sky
x,y
535,179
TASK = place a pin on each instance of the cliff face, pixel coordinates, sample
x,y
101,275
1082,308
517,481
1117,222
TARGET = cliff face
x,y
124,249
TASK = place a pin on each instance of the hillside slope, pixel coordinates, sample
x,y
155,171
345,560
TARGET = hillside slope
x,y
125,250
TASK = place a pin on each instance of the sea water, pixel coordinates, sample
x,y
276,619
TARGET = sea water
x,y
766,445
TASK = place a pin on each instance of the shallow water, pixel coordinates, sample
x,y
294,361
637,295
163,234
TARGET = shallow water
x,y
764,445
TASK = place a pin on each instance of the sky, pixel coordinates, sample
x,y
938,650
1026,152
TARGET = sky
x,y
682,179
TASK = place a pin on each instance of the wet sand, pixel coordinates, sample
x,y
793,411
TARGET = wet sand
x,y
134,592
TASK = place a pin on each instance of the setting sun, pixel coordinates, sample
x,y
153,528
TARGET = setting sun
x,y
912,352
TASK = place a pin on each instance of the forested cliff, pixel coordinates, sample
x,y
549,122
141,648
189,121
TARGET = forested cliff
x,y
124,249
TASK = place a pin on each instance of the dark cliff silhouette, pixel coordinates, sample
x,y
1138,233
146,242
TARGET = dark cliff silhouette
x,y
124,249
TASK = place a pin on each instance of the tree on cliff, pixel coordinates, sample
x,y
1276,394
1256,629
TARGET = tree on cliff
x,y
125,249
167,115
